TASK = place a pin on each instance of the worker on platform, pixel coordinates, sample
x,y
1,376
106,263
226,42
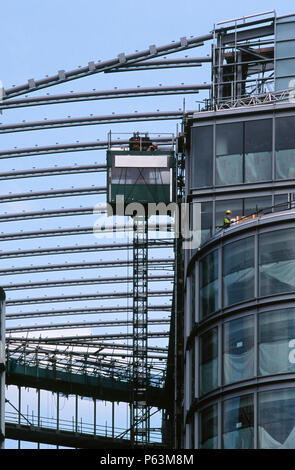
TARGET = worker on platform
x,y
227,219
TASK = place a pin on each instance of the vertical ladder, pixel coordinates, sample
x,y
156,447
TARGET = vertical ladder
x,y
139,408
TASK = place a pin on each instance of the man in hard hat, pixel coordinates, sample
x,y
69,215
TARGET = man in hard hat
x,y
227,219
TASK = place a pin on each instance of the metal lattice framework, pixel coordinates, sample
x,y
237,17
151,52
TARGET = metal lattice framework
x,y
100,349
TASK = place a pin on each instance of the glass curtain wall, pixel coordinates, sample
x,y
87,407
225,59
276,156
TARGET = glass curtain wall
x,y
238,350
238,423
238,271
277,262
208,361
208,284
285,148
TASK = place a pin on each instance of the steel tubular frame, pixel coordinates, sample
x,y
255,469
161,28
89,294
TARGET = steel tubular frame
x,y
165,64
84,341
67,170
65,326
81,281
145,355
153,244
66,298
92,67
82,311
52,193
107,94
93,120
85,265
73,230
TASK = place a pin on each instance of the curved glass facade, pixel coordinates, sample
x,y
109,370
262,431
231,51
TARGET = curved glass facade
x,y
240,315
238,271
271,255
264,420
208,275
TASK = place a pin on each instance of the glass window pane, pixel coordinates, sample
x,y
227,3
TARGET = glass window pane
x,y
285,31
238,271
281,202
285,147
277,262
285,49
258,150
209,428
209,284
202,156
277,342
285,67
238,350
238,422
276,419
235,205
229,153
260,205
208,361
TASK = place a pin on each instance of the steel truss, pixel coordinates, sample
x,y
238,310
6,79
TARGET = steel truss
x,y
76,231
81,281
92,120
98,295
111,353
160,263
89,342
92,67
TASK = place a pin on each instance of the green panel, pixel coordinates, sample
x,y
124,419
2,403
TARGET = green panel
x,y
141,193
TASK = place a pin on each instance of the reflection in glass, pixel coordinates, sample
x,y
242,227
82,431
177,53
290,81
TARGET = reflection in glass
x,y
285,147
238,423
276,419
202,156
277,342
285,67
208,428
258,150
206,220
238,352
285,49
209,284
235,205
285,30
281,202
277,262
261,205
229,153
238,271
208,361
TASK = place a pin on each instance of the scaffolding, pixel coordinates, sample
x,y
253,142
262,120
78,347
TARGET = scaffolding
x,y
139,408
